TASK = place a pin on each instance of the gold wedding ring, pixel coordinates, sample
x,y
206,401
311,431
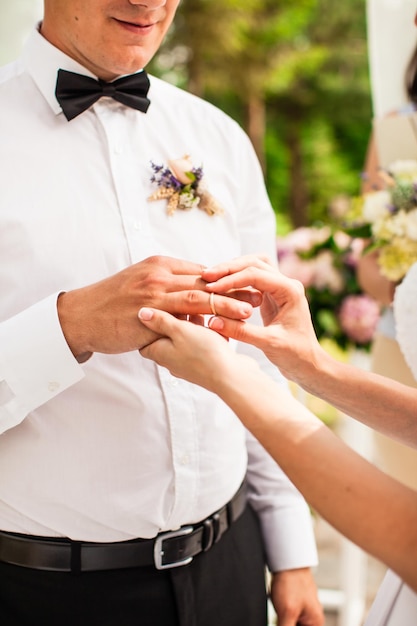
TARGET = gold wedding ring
x,y
212,307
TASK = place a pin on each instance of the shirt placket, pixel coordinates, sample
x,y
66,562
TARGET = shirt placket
x,y
141,243
183,428
124,162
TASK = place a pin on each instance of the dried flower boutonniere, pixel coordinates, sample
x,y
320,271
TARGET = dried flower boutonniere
x,y
181,184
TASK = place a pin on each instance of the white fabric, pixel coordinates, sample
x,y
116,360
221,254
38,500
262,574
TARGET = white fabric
x,y
118,448
405,314
392,37
386,323
394,605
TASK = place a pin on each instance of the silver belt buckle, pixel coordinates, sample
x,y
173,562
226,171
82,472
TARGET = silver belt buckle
x,y
158,550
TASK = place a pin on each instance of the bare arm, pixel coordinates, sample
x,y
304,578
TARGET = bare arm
x,y
372,281
371,179
289,341
332,477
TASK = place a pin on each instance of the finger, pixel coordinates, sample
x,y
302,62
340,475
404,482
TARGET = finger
x,y
263,280
287,620
160,322
194,302
180,266
183,282
235,265
239,330
164,325
158,351
248,294
237,305
190,289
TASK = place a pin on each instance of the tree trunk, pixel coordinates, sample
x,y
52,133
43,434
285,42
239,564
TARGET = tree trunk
x,y
255,125
195,75
298,190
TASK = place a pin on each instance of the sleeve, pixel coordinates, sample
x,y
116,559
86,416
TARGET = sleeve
x,y
36,363
284,516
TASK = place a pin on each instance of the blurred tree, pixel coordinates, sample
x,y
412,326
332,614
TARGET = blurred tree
x,y
295,75
236,48
322,109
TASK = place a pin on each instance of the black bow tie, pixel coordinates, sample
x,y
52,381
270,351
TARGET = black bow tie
x,y
76,93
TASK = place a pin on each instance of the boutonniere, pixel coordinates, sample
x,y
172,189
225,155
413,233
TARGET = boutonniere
x,y
182,185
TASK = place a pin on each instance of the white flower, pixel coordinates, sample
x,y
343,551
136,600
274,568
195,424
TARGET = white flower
x,y
390,226
406,168
188,201
411,225
399,224
343,240
376,204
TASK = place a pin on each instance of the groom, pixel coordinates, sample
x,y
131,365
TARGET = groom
x,y
126,496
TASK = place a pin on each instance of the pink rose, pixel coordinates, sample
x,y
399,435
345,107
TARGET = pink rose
x,y
291,265
358,317
181,169
326,275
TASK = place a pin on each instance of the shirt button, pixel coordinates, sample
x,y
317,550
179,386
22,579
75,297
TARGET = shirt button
x,y
185,459
137,226
174,382
53,386
117,149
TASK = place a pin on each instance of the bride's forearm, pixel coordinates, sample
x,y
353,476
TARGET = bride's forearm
x,y
344,488
379,402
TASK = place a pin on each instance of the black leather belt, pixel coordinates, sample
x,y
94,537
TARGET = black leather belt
x,y
167,550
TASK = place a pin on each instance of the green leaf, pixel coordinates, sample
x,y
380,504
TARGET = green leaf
x,y
191,176
362,231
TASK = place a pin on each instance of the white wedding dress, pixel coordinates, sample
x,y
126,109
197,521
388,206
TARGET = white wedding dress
x,y
395,603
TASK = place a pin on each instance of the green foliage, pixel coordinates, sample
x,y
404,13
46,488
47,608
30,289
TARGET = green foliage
x,y
330,169
295,75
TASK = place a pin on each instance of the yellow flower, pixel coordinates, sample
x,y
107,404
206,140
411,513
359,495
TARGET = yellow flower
x,y
397,257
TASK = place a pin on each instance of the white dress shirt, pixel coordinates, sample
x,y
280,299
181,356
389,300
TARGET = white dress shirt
x,y
117,448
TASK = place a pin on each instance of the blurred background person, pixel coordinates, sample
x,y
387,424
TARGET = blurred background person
x,y
393,72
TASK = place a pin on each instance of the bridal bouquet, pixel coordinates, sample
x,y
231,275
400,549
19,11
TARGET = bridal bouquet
x,y
325,262
388,219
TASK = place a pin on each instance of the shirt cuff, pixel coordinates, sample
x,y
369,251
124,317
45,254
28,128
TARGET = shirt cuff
x,y
293,545
36,363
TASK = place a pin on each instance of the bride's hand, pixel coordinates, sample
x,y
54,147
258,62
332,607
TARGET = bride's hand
x,y
189,350
288,338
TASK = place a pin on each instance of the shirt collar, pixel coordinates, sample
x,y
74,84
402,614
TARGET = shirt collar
x,y
43,60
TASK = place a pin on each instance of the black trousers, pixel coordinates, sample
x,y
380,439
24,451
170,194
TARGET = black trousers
x,y
222,587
